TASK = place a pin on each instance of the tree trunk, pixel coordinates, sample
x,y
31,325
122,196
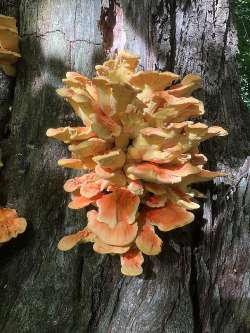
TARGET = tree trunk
x,y
201,280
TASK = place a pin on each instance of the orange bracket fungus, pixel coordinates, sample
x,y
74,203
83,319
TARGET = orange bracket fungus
x,y
10,224
9,44
140,155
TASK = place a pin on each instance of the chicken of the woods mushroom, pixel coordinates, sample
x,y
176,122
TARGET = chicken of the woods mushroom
x,y
140,155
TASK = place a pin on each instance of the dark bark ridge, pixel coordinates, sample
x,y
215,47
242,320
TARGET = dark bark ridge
x,y
6,85
200,282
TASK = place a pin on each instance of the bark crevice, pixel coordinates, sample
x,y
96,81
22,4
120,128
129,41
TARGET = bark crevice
x,y
107,23
71,41
7,88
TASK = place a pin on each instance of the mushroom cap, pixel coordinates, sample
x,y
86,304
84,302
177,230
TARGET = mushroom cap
x,y
9,44
190,83
147,240
119,207
82,236
9,39
122,234
7,21
131,262
76,163
162,175
8,57
155,80
170,217
70,134
114,159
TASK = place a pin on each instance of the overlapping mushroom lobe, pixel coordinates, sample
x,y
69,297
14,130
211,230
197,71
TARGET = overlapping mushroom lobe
x,y
9,44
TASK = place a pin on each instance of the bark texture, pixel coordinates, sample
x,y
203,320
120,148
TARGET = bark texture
x,y
201,280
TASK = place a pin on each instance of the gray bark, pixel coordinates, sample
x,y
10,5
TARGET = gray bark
x,y
200,282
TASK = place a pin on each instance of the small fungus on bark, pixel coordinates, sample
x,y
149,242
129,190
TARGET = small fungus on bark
x,y
10,224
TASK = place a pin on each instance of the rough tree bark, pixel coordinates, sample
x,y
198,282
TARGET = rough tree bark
x,y
201,281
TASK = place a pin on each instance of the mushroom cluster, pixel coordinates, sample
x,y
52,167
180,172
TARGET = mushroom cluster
x,y
141,155
9,44
10,224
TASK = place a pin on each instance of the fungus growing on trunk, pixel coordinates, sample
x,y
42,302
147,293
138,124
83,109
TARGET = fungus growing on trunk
x,y
9,44
140,153
10,224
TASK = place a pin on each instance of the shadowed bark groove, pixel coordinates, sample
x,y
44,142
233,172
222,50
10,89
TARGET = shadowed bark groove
x,y
200,281
107,23
7,85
